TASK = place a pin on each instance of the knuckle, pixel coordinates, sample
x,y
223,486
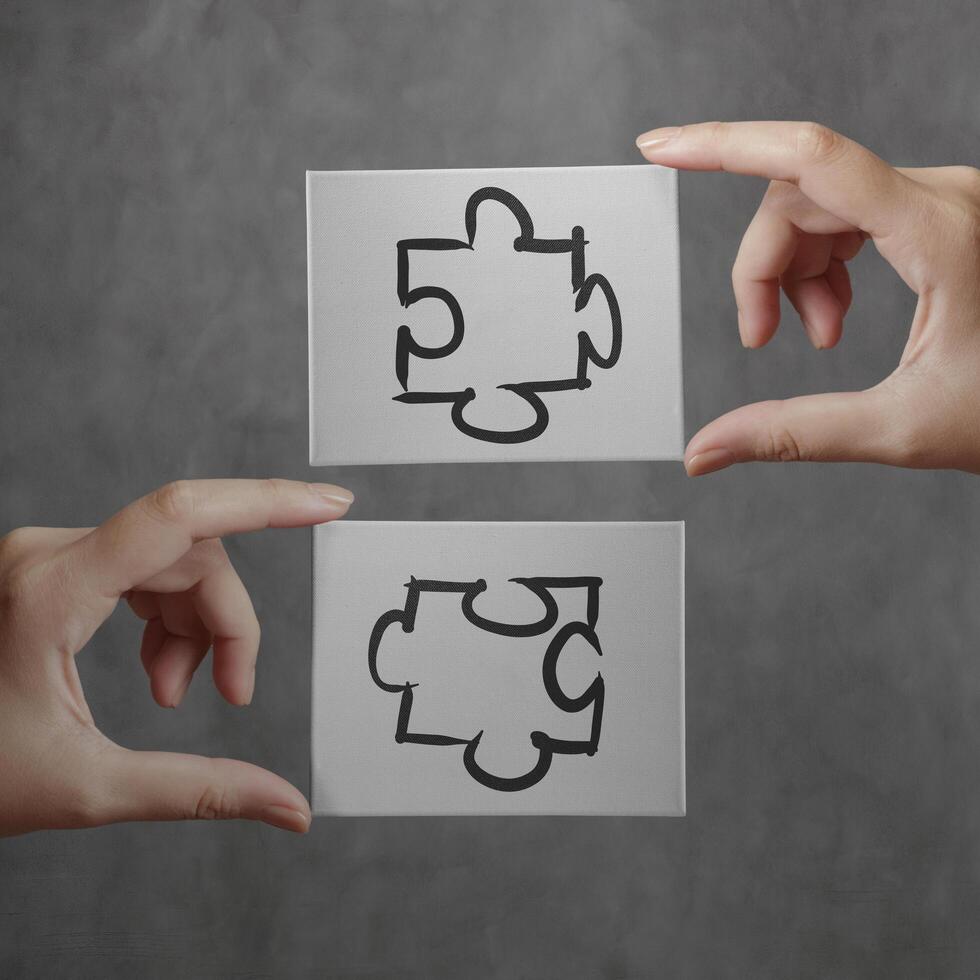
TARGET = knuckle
x,y
746,268
210,553
717,130
173,501
216,803
969,179
780,194
742,277
716,134
278,492
781,446
952,227
912,443
910,451
89,797
817,143
17,585
276,488
782,198
912,429
85,806
971,222
970,212
15,542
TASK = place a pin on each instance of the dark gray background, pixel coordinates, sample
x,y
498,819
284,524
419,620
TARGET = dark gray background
x,y
153,291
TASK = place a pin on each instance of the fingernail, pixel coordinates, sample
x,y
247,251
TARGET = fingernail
x,y
811,335
741,330
181,691
709,461
250,689
337,497
285,818
656,138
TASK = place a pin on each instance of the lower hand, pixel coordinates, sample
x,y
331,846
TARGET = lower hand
x,y
163,555
828,195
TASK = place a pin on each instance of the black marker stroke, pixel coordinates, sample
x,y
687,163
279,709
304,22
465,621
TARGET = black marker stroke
x,y
583,287
548,747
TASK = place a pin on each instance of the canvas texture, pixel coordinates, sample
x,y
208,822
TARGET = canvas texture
x,y
498,668
521,314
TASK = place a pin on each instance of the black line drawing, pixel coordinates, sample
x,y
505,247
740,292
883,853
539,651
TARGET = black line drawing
x,y
548,747
530,391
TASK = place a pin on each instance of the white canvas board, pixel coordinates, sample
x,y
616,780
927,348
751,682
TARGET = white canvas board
x,y
494,315
493,668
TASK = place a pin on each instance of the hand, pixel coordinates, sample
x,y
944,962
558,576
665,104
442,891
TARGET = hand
x,y
163,554
826,196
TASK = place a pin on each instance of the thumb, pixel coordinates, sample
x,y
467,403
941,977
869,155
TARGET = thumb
x,y
844,427
171,786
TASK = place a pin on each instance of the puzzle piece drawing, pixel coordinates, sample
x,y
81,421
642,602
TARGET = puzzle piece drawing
x,y
555,636
530,391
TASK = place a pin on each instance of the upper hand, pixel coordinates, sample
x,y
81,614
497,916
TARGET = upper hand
x,y
828,195
163,554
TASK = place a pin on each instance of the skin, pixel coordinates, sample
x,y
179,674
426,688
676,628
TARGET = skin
x,y
163,555
827,196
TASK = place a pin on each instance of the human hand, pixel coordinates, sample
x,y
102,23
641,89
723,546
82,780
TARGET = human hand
x,y
827,195
163,554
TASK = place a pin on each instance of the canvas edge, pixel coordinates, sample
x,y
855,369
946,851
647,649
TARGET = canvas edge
x,y
314,633
675,210
311,413
318,802
682,670
486,170
674,457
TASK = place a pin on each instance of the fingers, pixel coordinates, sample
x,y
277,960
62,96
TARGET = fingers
x,y
198,602
807,287
173,667
151,534
836,173
775,253
848,426
170,786
184,645
767,248
839,280
847,244
154,633
224,607
819,310
792,245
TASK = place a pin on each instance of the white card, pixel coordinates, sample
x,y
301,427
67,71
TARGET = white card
x,y
494,315
467,668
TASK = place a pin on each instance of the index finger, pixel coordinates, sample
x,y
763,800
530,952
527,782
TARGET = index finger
x,y
836,173
153,532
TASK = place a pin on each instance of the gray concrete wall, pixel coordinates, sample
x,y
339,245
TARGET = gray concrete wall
x,y
153,303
